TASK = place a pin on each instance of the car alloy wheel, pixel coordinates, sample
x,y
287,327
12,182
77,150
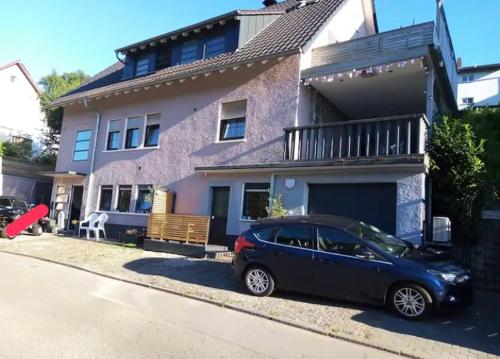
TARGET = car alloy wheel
x,y
259,282
409,302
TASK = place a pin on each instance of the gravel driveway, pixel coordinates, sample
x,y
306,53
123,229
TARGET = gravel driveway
x,y
474,333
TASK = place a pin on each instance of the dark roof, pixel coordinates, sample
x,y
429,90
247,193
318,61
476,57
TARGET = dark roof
x,y
283,37
487,67
336,221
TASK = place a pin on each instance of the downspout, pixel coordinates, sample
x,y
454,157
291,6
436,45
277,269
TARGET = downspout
x,y
92,159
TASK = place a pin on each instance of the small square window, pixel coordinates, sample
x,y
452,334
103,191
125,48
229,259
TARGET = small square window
x,y
105,198
124,195
233,121
255,200
468,100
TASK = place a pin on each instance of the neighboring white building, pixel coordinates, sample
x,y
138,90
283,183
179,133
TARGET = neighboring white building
x,y
21,116
479,86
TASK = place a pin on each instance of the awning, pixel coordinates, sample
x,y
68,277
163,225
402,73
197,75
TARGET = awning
x,y
65,174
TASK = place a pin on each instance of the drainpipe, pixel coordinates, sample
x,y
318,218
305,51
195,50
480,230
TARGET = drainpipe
x,y
92,159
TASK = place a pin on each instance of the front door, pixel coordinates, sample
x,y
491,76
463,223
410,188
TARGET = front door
x,y
218,224
75,206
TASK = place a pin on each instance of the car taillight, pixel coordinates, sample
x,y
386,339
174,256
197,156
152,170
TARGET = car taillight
x,y
242,242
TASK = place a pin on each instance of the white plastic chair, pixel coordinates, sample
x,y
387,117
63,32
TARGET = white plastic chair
x,y
88,224
101,220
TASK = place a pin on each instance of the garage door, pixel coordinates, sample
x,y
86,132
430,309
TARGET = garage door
x,y
373,203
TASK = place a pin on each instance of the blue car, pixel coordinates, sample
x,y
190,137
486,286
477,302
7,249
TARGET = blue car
x,y
350,260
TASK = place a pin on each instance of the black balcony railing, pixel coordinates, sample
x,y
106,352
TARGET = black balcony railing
x,y
378,137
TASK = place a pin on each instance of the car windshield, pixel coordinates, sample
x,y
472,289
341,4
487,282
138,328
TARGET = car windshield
x,y
5,202
384,241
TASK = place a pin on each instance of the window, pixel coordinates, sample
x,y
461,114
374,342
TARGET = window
x,y
152,130
215,46
142,65
114,137
468,78
255,200
105,198
144,199
266,234
133,135
233,118
124,195
337,242
468,100
82,145
296,236
189,52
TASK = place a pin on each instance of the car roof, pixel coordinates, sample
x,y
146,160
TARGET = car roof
x,y
316,219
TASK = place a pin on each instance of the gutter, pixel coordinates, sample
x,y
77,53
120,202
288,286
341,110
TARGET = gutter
x,y
92,159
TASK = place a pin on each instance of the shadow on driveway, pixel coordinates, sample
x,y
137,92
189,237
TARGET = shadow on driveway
x,y
473,328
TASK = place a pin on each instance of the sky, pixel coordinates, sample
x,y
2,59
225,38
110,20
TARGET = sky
x,y
67,35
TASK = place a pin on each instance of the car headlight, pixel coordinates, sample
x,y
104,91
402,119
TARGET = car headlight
x,y
447,277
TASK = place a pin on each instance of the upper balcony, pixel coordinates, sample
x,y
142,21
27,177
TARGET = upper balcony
x,y
390,138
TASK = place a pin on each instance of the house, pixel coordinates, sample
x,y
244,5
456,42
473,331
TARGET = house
x,y
478,86
22,122
306,99
21,117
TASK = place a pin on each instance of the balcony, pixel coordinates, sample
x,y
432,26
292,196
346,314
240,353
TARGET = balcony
x,y
377,138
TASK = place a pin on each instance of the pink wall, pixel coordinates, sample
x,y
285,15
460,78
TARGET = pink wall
x,y
189,119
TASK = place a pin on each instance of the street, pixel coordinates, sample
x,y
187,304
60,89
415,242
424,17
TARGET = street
x,y
52,311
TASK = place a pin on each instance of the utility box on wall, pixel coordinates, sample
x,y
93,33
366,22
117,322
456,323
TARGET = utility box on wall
x,y
441,229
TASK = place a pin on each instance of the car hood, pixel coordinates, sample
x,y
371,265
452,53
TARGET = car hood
x,y
437,260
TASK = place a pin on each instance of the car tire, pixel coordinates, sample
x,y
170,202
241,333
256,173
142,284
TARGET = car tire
x,y
410,301
3,234
37,229
259,281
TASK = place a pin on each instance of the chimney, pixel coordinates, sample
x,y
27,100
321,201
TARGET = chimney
x,y
459,62
269,2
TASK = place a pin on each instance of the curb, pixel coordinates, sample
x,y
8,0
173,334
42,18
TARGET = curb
x,y
222,305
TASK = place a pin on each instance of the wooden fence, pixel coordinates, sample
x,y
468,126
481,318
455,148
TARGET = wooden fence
x,y
179,227
165,225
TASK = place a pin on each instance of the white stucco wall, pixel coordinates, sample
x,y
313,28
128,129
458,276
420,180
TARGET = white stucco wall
x,y
485,89
20,111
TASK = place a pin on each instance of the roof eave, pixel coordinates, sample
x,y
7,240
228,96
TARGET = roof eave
x,y
62,102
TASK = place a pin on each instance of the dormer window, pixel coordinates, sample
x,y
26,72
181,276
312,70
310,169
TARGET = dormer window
x,y
189,52
142,65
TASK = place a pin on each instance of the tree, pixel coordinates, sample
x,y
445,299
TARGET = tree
x,y
485,123
277,208
55,86
457,172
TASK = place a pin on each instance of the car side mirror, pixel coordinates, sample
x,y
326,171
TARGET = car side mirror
x,y
364,253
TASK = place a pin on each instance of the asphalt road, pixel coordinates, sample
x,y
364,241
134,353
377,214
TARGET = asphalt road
x,y
51,311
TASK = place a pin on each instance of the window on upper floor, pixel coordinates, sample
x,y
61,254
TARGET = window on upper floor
x,y
142,65
233,121
468,100
105,198
152,136
467,78
82,145
114,135
133,134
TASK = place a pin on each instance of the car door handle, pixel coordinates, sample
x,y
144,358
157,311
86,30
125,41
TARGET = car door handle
x,y
323,261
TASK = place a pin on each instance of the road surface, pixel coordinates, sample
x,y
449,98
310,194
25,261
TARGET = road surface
x,y
52,311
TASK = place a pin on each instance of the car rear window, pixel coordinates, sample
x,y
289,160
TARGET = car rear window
x,y
266,234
